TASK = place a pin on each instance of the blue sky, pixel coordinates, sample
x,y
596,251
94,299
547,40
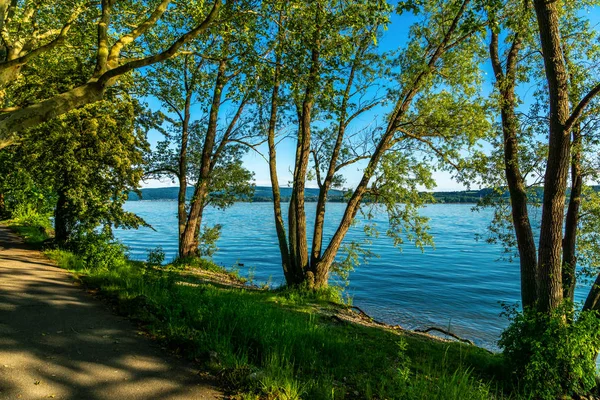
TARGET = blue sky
x,y
393,38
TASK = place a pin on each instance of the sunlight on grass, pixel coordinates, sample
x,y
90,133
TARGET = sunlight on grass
x,y
273,344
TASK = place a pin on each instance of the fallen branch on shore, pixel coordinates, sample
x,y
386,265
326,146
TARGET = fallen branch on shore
x,y
433,328
363,314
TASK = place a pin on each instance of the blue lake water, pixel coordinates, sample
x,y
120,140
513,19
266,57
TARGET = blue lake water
x,y
458,285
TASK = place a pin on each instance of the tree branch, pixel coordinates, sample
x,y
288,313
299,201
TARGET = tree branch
x,y
142,28
581,106
168,53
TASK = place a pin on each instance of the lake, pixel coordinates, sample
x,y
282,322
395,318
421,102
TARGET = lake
x,y
459,285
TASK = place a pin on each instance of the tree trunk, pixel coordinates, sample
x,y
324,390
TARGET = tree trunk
x,y
592,302
61,220
549,285
290,276
572,219
505,82
7,77
183,167
189,240
297,214
520,215
317,243
403,104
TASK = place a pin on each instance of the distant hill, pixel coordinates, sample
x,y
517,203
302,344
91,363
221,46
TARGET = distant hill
x,y
263,194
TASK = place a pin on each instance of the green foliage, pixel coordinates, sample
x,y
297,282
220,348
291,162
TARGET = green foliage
x,y
156,257
550,357
301,295
208,240
35,232
22,197
98,250
95,160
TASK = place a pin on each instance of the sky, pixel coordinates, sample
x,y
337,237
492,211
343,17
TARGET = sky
x,y
393,38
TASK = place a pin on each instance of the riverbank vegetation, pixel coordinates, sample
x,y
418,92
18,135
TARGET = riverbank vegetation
x,y
82,87
280,344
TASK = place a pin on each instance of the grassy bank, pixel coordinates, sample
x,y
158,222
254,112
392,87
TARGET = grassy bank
x,y
286,345
282,344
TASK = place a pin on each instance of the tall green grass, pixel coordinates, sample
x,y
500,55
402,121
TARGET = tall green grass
x,y
278,345
33,228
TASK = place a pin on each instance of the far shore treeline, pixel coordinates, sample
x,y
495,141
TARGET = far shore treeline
x,y
263,194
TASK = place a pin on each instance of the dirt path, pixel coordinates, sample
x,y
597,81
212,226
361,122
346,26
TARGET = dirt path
x,y
57,341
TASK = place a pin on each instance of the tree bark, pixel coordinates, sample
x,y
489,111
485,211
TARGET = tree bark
x,y
28,117
61,224
183,168
572,219
290,276
505,83
297,214
317,242
549,282
189,239
592,302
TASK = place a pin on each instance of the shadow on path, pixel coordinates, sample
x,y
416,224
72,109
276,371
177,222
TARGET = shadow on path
x,y
56,341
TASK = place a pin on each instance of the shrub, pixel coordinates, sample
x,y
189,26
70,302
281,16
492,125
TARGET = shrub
x,y
549,356
98,250
156,257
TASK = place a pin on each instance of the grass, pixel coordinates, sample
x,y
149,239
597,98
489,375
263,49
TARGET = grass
x,y
34,232
281,345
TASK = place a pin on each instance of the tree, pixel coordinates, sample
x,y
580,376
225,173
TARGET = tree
x,y
325,69
109,64
548,272
541,147
208,150
96,159
506,78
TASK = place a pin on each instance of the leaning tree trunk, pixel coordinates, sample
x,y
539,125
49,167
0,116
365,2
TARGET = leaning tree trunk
x,y
189,239
188,246
182,175
405,99
592,302
505,83
33,115
290,273
550,286
572,220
